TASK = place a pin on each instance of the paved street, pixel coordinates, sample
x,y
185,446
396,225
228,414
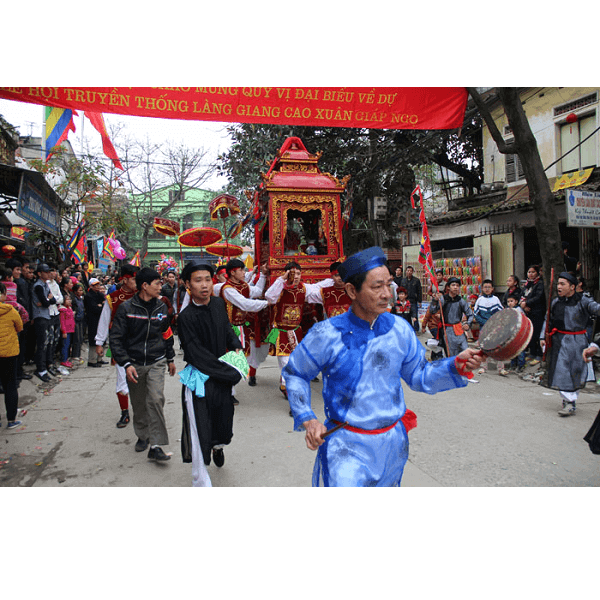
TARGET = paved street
x,y
499,432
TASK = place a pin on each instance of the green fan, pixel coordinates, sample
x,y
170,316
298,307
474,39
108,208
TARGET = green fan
x,y
238,361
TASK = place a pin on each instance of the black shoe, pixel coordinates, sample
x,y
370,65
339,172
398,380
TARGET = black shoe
x,y
94,365
25,376
252,380
45,377
218,457
235,400
158,454
141,445
102,362
124,420
54,371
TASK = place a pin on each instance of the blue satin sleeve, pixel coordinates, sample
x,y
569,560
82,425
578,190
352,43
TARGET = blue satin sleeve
x,y
362,368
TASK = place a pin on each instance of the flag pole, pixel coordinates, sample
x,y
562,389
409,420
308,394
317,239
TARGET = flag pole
x,y
43,157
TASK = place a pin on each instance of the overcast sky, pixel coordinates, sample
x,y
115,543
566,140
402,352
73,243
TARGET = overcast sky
x,y
197,134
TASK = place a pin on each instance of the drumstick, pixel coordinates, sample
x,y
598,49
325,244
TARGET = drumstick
x,y
333,429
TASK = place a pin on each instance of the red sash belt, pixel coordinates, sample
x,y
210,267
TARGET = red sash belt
x,y
567,332
367,431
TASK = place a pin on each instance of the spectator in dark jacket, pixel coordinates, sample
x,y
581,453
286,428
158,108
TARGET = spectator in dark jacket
x,y
533,302
141,342
93,302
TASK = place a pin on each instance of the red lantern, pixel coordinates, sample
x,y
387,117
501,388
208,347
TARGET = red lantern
x,y
571,118
8,250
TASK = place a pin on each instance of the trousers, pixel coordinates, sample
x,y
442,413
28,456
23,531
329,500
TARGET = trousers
x,y
147,398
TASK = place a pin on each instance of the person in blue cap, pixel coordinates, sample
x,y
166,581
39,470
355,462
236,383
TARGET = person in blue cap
x,y
363,355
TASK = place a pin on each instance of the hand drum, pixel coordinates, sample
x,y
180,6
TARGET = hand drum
x,y
505,335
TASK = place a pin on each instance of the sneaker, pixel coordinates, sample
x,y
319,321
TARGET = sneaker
x,y
473,380
45,377
534,362
567,410
503,372
124,420
14,424
218,457
64,371
26,376
141,445
252,380
158,454
67,364
53,371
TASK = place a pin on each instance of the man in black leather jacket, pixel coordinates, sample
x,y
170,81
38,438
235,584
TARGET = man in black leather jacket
x,y
141,341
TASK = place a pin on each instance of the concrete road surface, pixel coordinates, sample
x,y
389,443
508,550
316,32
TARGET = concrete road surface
x,y
498,432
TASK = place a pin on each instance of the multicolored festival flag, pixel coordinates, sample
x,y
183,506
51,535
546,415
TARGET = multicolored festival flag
x,y
80,251
77,235
136,261
58,123
97,120
107,247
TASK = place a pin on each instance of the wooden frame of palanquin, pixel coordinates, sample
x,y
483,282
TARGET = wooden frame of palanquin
x,y
317,191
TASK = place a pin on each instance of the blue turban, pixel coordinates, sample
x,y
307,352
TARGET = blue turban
x,y
361,262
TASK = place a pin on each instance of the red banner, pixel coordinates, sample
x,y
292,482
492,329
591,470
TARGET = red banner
x,y
375,108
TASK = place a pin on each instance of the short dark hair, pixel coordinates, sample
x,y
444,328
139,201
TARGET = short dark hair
x,y
194,266
292,265
13,263
234,263
334,266
146,275
5,274
130,270
409,267
2,288
487,281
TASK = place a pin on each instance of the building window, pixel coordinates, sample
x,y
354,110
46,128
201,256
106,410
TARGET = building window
x,y
512,165
571,135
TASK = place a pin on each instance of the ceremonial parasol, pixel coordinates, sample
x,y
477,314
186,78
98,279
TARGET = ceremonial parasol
x,y
226,249
168,227
200,237
223,206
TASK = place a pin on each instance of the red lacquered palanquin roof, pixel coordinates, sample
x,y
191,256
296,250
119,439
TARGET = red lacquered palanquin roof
x,y
296,168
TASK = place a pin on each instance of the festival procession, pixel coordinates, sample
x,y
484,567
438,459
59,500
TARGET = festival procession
x,y
352,305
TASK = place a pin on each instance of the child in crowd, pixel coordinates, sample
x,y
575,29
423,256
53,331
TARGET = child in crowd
x,y
433,321
488,304
517,363
474,331
11,295
10,326
79,310
67,329
402,306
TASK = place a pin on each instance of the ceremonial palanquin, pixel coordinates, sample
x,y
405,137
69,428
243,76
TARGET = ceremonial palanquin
x,y
297,214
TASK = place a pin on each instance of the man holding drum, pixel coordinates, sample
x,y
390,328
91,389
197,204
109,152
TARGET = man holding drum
x,y
363,355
